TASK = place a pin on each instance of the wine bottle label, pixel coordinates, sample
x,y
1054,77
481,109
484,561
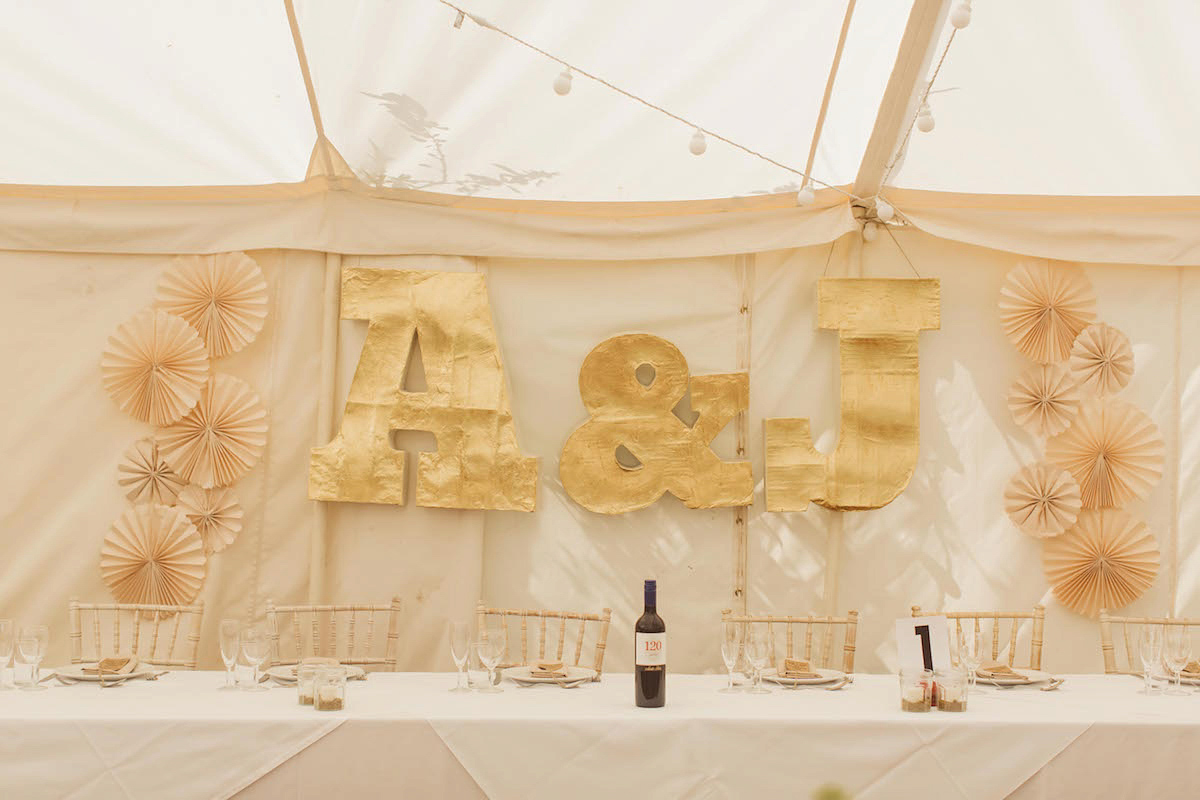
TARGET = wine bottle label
x,y
651,649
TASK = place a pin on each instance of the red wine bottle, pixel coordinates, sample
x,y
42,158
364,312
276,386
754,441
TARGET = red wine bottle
x,y
650,654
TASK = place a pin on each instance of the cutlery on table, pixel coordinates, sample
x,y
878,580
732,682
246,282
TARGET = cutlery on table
x,y
1053,684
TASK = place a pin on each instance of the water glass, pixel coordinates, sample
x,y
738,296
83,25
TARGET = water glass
x,y
254,650
758,652
31,649
916,689
1150,649
1177,650
488,652
970,651
7,634
732,634
952,688
230,635
460,648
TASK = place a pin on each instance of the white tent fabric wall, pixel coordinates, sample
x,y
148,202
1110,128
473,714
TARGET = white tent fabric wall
x,y
944,542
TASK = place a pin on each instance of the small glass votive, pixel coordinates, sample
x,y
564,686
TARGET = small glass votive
x,y
329,689
306,676
916,689
952,689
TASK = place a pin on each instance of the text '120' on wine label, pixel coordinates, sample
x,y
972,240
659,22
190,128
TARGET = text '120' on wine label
x,y
651,649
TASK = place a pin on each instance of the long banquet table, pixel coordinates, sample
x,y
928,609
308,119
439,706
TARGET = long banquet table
x,y
404,735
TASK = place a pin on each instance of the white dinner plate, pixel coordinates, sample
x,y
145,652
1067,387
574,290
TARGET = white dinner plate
x,y
74,672
827,676
1184,679
1031,677
525,675
286,673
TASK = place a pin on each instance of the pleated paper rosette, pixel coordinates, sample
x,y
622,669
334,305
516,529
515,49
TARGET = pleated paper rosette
x,y
216,513
222,296
146,477
1102,359
1114,450
1107,560
155,367
1044,399
153,554
1042,500
221,439
1044,306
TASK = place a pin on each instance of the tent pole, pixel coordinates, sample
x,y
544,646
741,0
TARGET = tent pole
x,y
833,70
325,405
903,87
302,57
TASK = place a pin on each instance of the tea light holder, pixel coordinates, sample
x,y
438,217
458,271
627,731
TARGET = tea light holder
x,y
306,676
329,689
916,690
952,689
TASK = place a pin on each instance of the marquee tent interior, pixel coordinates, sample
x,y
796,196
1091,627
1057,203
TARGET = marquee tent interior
x,y
318,136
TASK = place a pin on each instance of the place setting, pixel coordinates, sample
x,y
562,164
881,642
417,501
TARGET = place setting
x,y
754,651
478,655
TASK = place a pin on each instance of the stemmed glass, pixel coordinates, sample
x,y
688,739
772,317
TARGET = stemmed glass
x,y
230,635
6,650
1150,648
970,652
460,648
254,650
1177,649
488,652
757,652
31,649
731,648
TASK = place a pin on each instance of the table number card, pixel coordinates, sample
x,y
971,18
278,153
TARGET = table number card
x,y
923,642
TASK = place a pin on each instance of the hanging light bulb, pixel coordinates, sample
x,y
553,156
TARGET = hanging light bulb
x,y
562,84
884,210
698,144
960,17
806,195
870,231
925,121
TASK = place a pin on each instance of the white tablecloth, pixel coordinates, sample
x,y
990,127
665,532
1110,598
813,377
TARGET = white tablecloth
x,y
405,735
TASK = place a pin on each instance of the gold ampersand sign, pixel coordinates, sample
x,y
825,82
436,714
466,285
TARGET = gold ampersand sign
x,y
636,414
478,464
877,323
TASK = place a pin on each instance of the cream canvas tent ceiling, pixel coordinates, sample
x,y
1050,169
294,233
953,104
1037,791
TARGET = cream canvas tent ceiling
x,y
1076,97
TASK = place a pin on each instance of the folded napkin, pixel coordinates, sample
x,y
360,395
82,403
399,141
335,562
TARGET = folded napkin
x,y
996,669
547,669
797,668
1192,668
117,665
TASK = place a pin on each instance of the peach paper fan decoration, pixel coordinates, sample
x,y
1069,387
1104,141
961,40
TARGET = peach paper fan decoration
x,y
148,478
1102,359
1044,399
223,296
153,554
1042,500
216,513
1107,560
1113,450
1044,306
221,439
155,367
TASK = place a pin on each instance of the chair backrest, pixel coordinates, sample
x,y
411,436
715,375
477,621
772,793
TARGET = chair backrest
x,y
507,617
1129,639
159,635
317,630
822,627
980,620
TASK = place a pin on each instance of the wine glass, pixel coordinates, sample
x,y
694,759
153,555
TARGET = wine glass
x,y
460,646
970,651
732,634
6,650
31,648
757,652
1177,649
230,636
488,652
1150,648
254,650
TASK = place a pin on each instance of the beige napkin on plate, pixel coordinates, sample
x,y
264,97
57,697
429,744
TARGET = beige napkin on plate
x,y
995,669
117,665
547,669
1192,669
796,668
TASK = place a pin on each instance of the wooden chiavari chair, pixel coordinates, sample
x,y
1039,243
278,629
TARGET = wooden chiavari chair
x,y
318,624
541,616
137,628
997,618
1129,639
825,627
